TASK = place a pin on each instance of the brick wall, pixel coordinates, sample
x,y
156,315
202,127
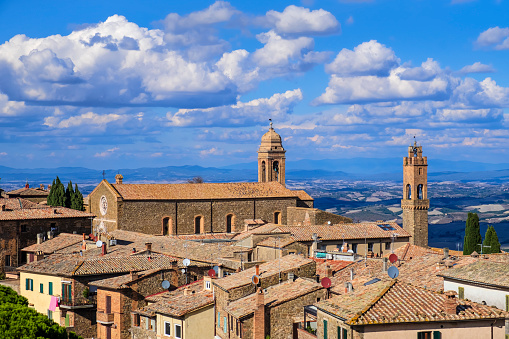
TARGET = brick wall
x,y
299,216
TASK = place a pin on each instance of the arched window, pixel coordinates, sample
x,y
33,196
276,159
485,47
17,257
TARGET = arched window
x,y
277,218
168,226
198,224
420,171
419,191
230,219
264,175
275,167
409,191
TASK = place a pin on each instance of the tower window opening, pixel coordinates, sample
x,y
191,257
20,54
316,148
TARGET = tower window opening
x,y
263,171
419,191
198,224
275,167
409,191
277,218
229,223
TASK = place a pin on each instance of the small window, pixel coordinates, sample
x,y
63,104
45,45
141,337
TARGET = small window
x,y
345,333
387,245
24,228
7,260
219,319
225,325
41,288
370,247
207,285
153,324
178,331
424,335
461,293
29,284
136,320
354,248
167,328
50,288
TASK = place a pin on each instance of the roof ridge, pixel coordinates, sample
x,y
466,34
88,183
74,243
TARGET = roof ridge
x,y
373,302
77,267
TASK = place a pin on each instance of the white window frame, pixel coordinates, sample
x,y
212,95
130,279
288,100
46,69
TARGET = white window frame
x,y
175,331
207,285
167,334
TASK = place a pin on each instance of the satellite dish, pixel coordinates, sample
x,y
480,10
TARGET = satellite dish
x,y
255,279
186,262
326,283
165,284
212,273
393,272
99,243
183,271
216,269
393,258
350,251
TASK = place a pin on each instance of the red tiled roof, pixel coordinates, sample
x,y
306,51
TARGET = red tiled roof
x,y
481,271
387,302
267,269
273,296
207,191
59,242
123,281
43,213
18,203
29,192
176,303
275,242
363,230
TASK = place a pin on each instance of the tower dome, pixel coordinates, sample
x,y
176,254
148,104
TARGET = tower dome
x,y
271,158
271,141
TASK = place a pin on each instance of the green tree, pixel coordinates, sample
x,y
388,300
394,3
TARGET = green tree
x,y
51,197
56,194
8,295
472,234
69,195
495,244
486,244
77,200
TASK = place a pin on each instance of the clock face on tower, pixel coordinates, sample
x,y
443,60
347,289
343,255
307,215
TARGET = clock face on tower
x,y
103,205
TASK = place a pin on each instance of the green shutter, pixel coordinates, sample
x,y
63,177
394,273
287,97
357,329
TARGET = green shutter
x,y
69,292
339,332
50,288
27,284
461,293
67,320
325,329
437,335
219,319
31,284
345,333
41,288
507,303
225,325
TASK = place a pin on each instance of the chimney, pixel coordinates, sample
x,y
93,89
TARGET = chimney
x,y
329,271
50,235
49,187
384,265
351,274
39,255
3,207
344,248
259,315
118,178
55,211
134,275
446,253
103,249
39,238
27,185
348,287
187,291
134,250
149,246
450,302
257,269
41,186
84,237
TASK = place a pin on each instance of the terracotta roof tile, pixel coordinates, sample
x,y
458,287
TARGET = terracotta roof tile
x,y
123,281
207,191
276,243
394,301
363,230
29,192
273,296
176,303
18,203
61,241
481,271
267,269
43,213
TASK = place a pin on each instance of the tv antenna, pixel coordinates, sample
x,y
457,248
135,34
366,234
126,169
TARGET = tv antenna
x,y
104,174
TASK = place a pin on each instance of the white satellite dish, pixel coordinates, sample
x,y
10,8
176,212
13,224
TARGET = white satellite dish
x,y
350,251
183,271
99,243
165,284
186,262
216,269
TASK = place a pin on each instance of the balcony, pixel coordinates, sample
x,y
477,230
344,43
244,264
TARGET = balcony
x,y
105,318
78,303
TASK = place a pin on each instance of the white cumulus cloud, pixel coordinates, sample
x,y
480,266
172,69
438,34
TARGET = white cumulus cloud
x,y
494,37
302,21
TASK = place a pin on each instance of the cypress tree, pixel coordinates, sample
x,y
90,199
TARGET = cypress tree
x,y
69,195
487,241
77,202
495,244
51,197
59,197
472,234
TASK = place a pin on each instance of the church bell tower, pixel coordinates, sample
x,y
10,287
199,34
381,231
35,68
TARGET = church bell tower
x,y
415,203
271,158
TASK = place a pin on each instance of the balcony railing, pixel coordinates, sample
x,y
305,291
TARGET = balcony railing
x,y
105,318
78,302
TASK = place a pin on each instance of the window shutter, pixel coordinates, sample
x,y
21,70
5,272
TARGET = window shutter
x,y
345,333
325,329
27,284
461,293
437,335
50,288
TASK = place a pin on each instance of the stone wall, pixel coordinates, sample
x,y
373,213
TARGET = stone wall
x,y
109,220
141,332
299,216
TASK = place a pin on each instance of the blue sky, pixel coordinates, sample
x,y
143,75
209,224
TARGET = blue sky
x,y
110,84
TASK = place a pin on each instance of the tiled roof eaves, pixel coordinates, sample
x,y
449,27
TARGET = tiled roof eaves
x,y
373,302
473,282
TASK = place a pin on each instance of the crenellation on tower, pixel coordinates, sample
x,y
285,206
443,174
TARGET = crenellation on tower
x,y
415,202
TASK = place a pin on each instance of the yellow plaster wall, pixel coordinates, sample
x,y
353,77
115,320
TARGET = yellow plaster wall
x,y
40,300
196,325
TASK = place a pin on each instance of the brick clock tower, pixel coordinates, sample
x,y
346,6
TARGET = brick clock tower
x,y
415,203
271,158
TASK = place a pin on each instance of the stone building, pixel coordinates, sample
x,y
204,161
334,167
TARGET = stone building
x,y
22,220
271,158
37,195
415,203
375,310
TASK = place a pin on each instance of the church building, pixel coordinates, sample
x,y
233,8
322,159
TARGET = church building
x,y
197,208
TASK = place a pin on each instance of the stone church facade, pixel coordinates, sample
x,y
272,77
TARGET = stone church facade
x,y
197,208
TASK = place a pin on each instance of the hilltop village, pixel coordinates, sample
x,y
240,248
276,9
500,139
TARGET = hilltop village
x,y
251,260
